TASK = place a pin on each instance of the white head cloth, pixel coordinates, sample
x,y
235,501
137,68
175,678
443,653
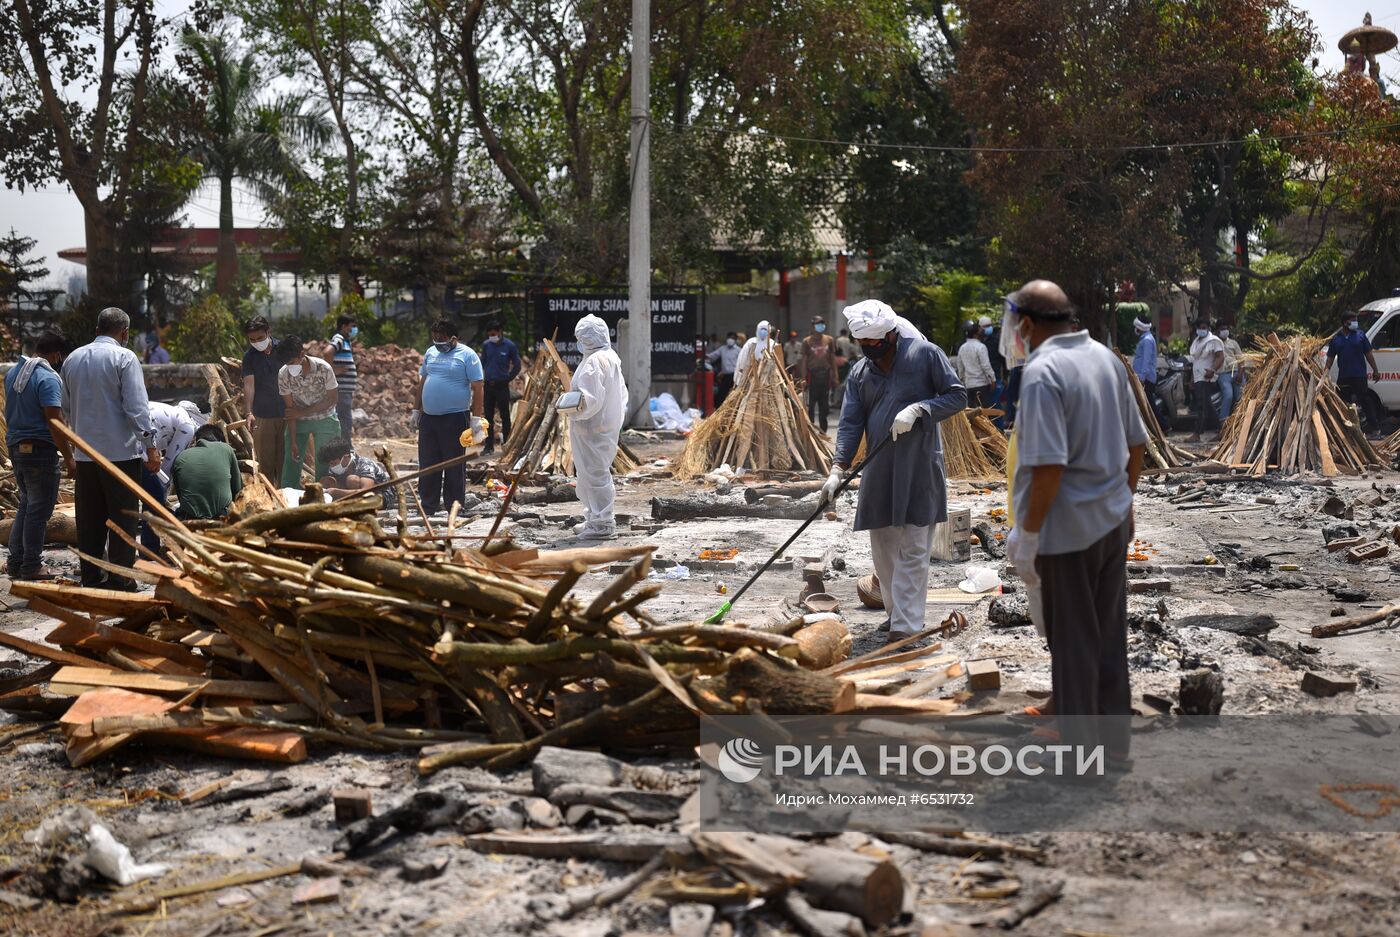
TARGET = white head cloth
x,y
192,408
592,333
1142,326
870,318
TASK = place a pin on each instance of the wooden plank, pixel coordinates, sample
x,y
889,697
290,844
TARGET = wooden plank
x,y
246,742
1242,431
262,690
54,654
106,602
1329,465
875,703
85,746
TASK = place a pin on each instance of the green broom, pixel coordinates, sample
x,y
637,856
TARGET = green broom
x,y
718,616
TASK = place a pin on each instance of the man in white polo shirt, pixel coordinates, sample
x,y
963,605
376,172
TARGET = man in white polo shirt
x,y
1079,444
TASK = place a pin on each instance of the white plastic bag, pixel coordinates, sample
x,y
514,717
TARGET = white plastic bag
x,y
112,860
979,579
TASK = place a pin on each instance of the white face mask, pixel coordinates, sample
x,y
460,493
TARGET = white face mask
x,y
262,345
340,469
1224,333
493,338
294,370
729,342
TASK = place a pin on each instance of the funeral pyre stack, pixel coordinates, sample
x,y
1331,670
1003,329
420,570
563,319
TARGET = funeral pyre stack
x,y
313,623
761,426
538,432
1291,418
1161,452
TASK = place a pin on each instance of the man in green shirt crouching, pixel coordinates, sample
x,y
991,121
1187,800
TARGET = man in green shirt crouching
x,y
206,475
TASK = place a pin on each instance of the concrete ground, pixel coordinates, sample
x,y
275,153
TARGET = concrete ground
x,y
1145,885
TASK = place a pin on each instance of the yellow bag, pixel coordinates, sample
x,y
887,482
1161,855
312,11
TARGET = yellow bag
x,y
1011,479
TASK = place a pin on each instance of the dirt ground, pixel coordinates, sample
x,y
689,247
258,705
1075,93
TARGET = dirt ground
x,y
1147,885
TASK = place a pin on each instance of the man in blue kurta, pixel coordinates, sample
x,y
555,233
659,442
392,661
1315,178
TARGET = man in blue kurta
x,y
902,388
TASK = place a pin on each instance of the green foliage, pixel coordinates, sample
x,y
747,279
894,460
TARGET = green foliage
x,y
207,331
1304,300
1176,345
373,330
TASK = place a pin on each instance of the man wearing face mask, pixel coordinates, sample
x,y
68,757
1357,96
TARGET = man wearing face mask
x,y
449,388
974,367
725,360
819,366
902,388
594,425
346,376
309,390
1226,381
33,396
262,401
350,473
500,362
1207,360
754,351
1351,349
1079,449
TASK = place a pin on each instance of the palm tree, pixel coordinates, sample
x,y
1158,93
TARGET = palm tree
x,y
246,137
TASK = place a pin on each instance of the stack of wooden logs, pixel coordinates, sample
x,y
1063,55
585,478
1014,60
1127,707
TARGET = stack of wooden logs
x,y
314,623
1291,418
762,425
538,432
1162,453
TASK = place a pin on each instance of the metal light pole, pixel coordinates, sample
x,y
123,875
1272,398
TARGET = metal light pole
x,y
637,354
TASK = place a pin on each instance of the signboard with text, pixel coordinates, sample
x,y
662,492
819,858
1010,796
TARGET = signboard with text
x,y
675,321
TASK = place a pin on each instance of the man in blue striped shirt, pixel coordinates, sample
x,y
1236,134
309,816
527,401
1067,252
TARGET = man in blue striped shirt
x,y
346,376
104,396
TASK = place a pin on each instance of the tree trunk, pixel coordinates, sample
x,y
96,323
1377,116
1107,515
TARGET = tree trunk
x,y
105,284
349,277
226,261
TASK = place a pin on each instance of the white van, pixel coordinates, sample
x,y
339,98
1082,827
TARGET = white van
x,y
1380,320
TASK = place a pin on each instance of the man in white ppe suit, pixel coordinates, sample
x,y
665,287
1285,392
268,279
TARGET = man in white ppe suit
x,y
754,351
902,388
594,425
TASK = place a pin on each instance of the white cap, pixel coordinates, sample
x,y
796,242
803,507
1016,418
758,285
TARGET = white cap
x,y
985,321
870,318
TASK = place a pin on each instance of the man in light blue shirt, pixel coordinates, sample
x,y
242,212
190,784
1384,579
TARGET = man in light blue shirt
x,y
33,396
450,385
1145,357
104,396
1079,448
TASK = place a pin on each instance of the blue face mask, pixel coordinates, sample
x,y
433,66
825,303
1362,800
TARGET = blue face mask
x,y
989,329
354,331
1202,333
763,335
819,327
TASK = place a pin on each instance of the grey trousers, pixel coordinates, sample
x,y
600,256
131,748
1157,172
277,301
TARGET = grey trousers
x,y
1086,617
901,562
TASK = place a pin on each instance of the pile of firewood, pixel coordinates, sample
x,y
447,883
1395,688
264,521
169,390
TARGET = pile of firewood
x,y
1162,453
538,433
315,623
762,425
1291,418
969,454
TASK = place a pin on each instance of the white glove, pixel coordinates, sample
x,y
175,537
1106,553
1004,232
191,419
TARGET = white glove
x,y
905,419
833,481
415,418
1021,549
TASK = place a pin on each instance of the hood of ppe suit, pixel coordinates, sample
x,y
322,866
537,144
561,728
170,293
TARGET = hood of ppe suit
x,y
592,333
870,319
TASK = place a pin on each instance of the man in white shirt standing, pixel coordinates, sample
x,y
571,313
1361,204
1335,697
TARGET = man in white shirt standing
x,y
975,369
1207,361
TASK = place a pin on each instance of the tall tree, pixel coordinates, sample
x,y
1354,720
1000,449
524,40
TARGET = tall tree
x,y
245,135
19,273
320,42
63,119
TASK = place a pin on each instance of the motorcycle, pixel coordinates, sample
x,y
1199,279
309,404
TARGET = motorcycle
x,y
1178,393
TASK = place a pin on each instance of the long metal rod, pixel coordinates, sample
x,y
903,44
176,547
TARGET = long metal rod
x,y
821,509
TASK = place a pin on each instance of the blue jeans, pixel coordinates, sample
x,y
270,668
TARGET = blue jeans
x,y
37,474
1226,382
151,482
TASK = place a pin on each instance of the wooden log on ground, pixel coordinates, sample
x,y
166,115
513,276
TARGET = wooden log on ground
x,y
1343,625
689,509
782,689
836,879
793,490
823,644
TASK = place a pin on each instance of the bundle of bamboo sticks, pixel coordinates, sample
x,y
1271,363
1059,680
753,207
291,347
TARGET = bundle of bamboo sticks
x,y
762,426
1162,453
964,455
1291,418
538,433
